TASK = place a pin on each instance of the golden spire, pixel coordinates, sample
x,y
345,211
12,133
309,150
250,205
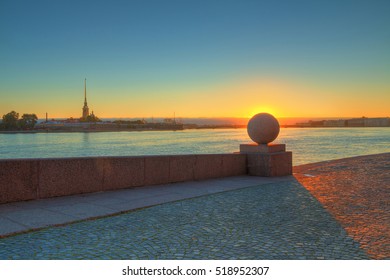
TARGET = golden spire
x,y
85,92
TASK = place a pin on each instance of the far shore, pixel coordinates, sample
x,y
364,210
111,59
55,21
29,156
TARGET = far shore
x,y
155,129
70,130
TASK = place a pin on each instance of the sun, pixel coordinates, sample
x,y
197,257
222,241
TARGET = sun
x,y
262,109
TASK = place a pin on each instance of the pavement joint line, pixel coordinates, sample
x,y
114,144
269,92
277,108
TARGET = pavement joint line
x,y
13,221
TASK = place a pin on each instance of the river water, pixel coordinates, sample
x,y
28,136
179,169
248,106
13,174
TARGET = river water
x,y
307,144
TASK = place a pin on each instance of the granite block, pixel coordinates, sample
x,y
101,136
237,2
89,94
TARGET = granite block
x,y
270,164
59,177
156,170
123,172
234,165
18,180
208,166
181,168
262,148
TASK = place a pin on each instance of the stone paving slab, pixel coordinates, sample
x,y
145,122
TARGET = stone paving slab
x,y
37,218
145,202
108,201
80,211
10,226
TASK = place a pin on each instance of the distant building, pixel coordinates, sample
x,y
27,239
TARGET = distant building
x,y
86,116
376,122
304,124
316,123
311,124
85,113
169,121
368,122
334,123
358,122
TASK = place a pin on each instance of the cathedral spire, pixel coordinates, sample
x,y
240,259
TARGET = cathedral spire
x,y
85,92
85,108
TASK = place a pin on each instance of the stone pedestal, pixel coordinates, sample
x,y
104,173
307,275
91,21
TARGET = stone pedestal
x,y
267,160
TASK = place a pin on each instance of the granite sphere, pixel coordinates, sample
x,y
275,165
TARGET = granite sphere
x,y
263,128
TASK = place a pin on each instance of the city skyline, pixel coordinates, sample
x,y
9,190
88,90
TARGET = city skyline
x,y
196,58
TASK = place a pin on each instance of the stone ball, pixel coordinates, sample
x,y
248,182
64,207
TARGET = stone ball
x,y
263,128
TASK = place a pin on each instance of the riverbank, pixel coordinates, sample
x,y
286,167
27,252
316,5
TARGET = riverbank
x,y
83,131
206,127
328,210
88,130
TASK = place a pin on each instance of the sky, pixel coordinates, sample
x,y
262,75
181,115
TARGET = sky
x,y
195,58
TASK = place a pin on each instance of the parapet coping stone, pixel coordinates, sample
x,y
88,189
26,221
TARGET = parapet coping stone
x,y
262,148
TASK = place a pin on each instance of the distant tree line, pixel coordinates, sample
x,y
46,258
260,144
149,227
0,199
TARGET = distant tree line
x,y
11,121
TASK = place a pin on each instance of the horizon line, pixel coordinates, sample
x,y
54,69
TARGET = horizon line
x,y
165,117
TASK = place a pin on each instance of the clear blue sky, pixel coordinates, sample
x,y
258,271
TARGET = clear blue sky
x,y
148,57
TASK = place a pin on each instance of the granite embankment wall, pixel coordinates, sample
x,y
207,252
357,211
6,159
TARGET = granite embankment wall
x,y
27,179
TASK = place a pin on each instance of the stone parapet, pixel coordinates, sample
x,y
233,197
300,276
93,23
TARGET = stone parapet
x,y
270,164
262,148
27,179
19,180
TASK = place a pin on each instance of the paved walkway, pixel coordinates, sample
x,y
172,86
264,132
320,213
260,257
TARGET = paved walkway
x,y
229,218
31,215
356,191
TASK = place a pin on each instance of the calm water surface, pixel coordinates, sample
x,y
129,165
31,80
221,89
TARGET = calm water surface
x,y
308,145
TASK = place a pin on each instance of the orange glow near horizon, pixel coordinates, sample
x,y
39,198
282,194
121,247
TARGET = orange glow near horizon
x,y
238,99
